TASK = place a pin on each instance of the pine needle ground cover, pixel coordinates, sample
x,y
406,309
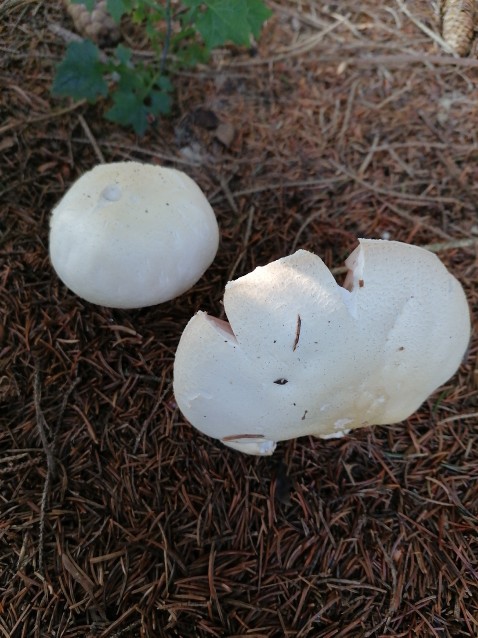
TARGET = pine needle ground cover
x,y
117,518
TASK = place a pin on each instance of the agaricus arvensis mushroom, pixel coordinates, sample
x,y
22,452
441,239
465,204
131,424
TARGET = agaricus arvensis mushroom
x,y
302,355
128,235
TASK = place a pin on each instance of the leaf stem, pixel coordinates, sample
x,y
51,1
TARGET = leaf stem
x,y
167,39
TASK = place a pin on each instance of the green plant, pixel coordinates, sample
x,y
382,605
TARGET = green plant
x,y
179,37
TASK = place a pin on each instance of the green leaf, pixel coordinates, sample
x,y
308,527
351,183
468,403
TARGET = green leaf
x,y
134,106
160,103
128,110
80,74
133,78
148,10
165,84
228,21
257,14
123,54
117,8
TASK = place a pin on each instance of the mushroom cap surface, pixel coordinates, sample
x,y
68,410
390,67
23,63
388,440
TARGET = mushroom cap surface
x,y
302,355
128,235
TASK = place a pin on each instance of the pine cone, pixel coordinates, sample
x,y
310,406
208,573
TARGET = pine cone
x,y
457,24
98,25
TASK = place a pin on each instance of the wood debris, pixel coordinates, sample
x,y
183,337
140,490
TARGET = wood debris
x,y
457,24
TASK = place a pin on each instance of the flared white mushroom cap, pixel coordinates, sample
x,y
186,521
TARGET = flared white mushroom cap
x,y
128,235
302,355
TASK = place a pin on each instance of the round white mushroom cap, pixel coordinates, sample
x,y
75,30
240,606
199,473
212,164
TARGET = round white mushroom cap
x,y
302,355
128,235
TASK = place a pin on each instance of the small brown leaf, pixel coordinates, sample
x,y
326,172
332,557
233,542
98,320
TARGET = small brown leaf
x,y
225,133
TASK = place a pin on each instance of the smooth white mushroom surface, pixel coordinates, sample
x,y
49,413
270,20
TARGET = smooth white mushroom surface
x,y
128,235
302,355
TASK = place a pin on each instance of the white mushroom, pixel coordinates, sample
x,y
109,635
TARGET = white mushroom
x,y
302,355
128,235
